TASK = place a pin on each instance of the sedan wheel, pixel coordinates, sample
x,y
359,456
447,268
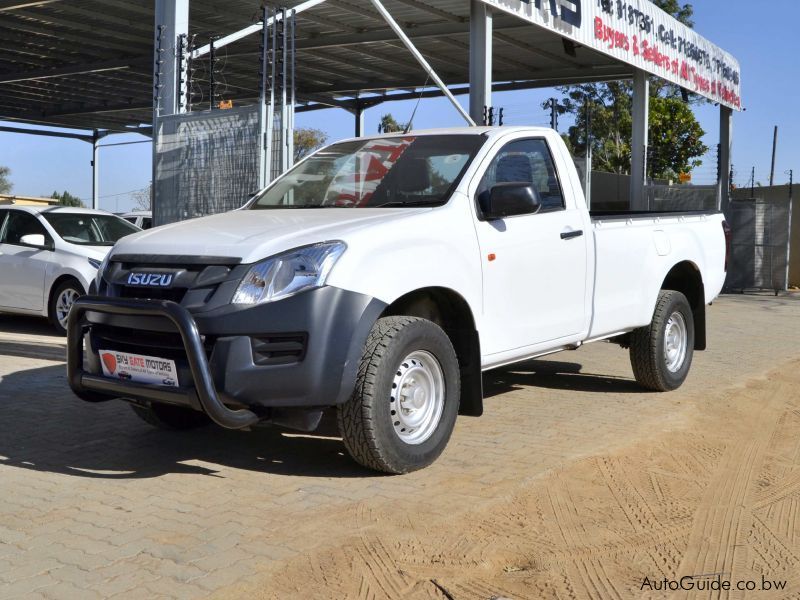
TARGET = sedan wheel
x,y
61,302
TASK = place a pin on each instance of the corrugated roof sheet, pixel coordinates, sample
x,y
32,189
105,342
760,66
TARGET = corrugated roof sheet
x,y
88,63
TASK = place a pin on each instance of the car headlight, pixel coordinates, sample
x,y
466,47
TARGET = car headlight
x,y
289,273
101,267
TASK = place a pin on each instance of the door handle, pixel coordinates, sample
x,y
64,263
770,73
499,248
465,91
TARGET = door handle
x,y
568,235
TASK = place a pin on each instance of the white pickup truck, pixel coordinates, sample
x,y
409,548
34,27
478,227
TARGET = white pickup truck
x,y
381,276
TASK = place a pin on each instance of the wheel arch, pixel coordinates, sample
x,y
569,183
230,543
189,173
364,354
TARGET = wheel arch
x,y
450,311
56,283
685,277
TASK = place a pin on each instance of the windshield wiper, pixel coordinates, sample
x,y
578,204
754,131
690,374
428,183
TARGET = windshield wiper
x,y
407,203
292,206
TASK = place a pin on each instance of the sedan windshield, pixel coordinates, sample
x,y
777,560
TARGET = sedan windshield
x,y
89,229
398,171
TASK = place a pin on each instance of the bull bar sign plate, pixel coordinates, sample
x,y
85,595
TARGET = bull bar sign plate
x,y
139,368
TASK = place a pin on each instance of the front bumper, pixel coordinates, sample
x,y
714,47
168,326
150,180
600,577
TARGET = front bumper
x,y
217,352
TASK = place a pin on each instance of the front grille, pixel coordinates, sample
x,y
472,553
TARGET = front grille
x,y
150,343
193,285
140,293
279,348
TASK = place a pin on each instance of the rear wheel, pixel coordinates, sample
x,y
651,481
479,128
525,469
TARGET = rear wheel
x,y
61,302
166,416
661,353
403,410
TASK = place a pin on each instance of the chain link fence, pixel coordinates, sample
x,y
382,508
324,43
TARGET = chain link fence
x,y
205,163
760,245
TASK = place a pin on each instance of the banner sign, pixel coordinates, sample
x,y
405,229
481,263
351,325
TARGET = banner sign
x,y
640,34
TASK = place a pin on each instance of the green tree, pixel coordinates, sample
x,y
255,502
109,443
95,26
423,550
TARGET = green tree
x,y
5,182
676,139
389,124
306,140
67,199
682,12
675,136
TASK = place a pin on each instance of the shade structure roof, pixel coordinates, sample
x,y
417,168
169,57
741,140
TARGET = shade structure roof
x,y
88,64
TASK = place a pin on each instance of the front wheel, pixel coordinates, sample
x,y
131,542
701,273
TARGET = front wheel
x,y
61,302
404,407
661,353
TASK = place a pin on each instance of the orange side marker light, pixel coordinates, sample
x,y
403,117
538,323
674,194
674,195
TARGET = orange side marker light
x,y
492,257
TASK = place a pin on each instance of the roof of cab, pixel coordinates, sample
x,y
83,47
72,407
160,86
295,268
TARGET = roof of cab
x,y
481,130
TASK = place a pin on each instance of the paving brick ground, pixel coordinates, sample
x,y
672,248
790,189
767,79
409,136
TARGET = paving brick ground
x,y
95,503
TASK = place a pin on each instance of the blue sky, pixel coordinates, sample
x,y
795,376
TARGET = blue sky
x,y
760,34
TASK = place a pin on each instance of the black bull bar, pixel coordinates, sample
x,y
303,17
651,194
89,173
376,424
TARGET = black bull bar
x,y
94,388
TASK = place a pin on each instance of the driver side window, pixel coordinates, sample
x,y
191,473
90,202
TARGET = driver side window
x,y
526,161
20,224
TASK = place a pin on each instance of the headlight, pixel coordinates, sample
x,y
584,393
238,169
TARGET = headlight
x,y
288,274
101,267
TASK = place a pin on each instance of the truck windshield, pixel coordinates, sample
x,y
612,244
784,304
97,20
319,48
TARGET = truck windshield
x,y
89,229
396,171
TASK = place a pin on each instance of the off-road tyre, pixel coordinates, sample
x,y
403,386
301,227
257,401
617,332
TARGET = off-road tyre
x,y
171,418
647,351
365,421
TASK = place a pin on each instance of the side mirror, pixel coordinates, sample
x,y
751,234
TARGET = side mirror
x,y
509,200
36,240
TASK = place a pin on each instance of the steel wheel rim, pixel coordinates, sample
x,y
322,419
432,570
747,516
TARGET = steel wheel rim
x,y
417,397
64,303
676,342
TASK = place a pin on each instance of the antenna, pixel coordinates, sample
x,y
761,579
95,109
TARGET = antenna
x,y
416,106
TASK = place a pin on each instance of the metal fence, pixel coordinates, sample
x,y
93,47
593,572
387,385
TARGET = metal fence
x,y
760,245
661,197
611,191
205,163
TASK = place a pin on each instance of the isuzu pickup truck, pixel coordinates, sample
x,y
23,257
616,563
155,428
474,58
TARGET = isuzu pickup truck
x,y
381,276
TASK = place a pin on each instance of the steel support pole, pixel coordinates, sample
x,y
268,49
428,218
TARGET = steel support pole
x,y
421,60
774,154
95,170
169,83
480,60
640,114
263,159
171,20
725,147
358,113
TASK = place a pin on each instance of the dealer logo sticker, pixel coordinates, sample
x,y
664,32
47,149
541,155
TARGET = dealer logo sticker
x,y
139,368
110,362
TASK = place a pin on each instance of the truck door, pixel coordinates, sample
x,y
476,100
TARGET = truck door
x,y
534,266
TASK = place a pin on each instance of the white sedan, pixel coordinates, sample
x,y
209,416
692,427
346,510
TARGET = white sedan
x,y
49,257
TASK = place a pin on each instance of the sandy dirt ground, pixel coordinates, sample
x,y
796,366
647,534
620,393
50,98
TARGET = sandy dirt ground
x,y
708,492
716,494
574,484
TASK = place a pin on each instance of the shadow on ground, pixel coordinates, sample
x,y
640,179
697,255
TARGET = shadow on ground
x,y
43,426
27,325
553,375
